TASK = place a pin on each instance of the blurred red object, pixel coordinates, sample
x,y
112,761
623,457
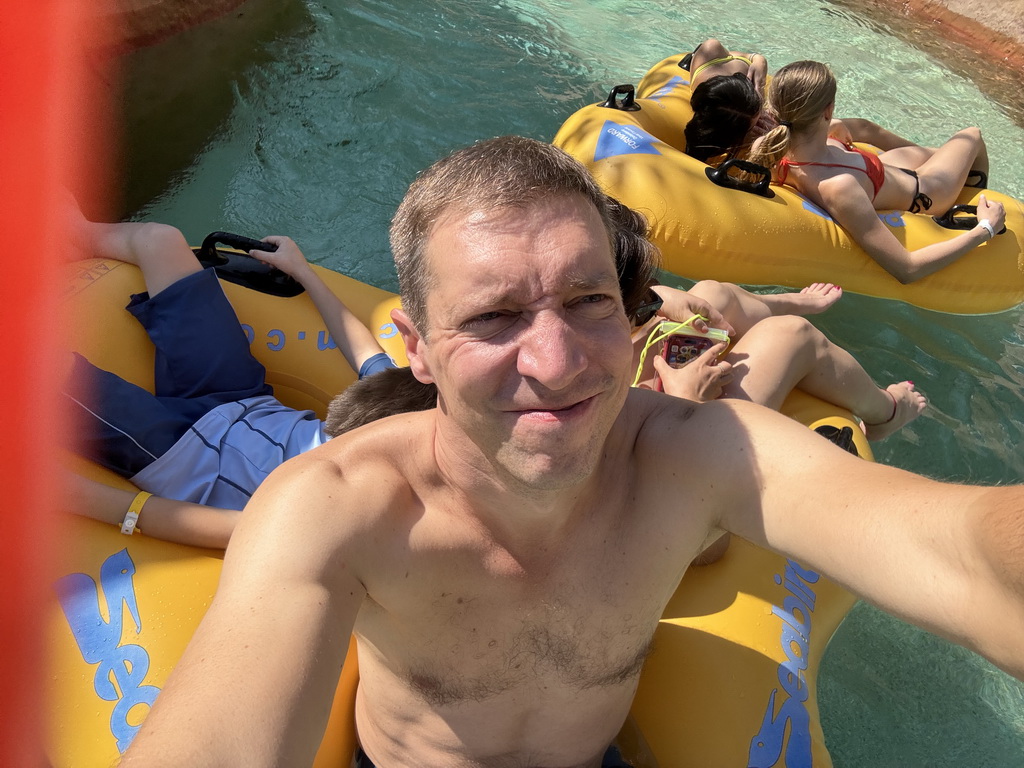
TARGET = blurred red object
x,y
54,134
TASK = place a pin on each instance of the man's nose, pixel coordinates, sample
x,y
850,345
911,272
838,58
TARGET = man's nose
x,y
550,351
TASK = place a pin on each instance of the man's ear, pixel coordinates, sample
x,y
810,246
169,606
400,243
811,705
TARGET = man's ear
x,y
415,346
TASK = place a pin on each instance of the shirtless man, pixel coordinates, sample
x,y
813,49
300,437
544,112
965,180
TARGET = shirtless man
x,y
504,558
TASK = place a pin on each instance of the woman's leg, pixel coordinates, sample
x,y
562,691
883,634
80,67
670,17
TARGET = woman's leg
x,y
744,309
944,171
786,352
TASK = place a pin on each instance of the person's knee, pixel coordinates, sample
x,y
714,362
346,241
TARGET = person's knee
x,y
719,295
161,240
160,235
860,128
713,48
795,329
973,133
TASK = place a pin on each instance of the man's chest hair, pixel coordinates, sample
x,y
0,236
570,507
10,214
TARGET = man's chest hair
x,y
532,646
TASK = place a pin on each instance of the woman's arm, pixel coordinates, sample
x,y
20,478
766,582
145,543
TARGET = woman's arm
x,y
758,72
353,338
846,200
869,132
178,521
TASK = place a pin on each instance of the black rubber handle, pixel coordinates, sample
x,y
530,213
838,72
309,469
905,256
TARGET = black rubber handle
x,y
950,219
241,268
628,103
241,242
721,177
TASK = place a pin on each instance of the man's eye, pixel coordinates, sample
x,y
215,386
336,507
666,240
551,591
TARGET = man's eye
x,y
485,319
594,298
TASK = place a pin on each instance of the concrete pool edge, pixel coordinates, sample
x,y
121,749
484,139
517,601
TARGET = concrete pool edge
x,y
994,34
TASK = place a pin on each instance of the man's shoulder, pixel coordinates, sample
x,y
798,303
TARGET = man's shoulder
x,y
647,409
661,424
394,451
356,485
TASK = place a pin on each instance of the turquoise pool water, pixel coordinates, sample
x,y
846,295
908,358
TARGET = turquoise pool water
x,y
311,118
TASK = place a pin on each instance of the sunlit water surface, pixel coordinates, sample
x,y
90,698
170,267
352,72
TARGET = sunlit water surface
x,y
310,119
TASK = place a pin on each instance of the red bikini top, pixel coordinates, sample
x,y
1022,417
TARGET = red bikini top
x,y
873,168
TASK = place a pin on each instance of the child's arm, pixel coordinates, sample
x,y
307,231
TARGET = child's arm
x,y
178,521
352,337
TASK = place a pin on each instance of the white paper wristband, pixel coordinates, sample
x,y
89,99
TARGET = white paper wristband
x,y
987,226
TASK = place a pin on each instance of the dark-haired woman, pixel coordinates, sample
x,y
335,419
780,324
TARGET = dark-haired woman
x,y
727,90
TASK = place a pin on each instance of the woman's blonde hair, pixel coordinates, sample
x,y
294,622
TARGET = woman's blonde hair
x,y
798,94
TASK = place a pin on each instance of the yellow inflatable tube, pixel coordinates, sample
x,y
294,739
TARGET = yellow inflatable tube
x,y
707,231
125,607
732,676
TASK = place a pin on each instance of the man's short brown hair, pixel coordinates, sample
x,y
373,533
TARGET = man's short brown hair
x,y
505,172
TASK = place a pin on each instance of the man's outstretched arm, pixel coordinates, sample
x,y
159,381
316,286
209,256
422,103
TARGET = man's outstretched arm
x,y
255,685
948,558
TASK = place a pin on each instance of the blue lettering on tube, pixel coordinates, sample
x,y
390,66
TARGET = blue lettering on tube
x,y
766,746
99,640
792,607
795,618
277,340
668,87
324,341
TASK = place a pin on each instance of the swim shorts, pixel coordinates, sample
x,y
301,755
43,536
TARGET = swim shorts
x,y
202,362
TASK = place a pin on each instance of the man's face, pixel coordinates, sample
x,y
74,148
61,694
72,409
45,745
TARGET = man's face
x,y
527,340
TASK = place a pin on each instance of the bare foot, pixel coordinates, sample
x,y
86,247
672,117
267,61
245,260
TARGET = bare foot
x,y
907,405
820,296
812,300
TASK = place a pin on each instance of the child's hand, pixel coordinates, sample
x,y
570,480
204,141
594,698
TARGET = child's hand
x,y
288,258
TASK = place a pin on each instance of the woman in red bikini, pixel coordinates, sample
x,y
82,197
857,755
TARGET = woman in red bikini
x,y
814,154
